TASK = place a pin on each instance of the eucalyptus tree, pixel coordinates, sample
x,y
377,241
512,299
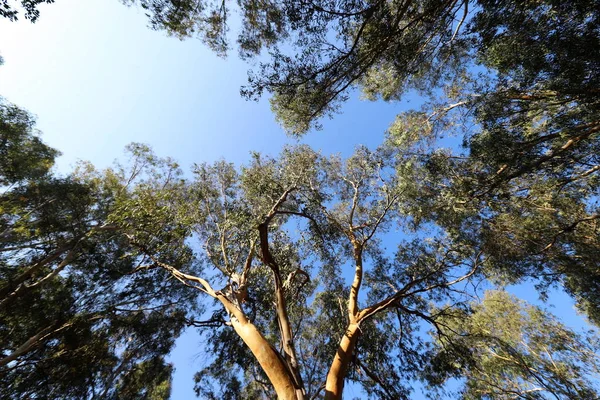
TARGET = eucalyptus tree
x,y
283,290
506,349
540,226
76,320
517,80
312,284
525,181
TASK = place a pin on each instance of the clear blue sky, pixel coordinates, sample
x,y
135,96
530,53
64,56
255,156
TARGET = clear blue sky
x,y
98,79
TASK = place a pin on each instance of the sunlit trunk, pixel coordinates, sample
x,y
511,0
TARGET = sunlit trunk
x,y
269,359
334,385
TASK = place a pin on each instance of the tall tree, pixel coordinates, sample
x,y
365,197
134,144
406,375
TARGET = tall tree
x,y
525,181
306,294
519,201
76,320
296,253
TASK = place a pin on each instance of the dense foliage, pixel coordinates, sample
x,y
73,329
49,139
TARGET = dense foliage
x,y
75,321
300,256
323,270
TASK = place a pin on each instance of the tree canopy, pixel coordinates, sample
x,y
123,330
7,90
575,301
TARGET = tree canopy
x,y
76,321
319,50
311,286
312,270
505,349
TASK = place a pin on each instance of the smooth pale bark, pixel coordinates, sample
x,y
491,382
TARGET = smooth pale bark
x,y
356,284
334,385
285,328
268,358
287,337
271,362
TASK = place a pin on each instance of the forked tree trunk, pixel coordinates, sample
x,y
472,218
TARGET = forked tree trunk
x,y
268,358
334,385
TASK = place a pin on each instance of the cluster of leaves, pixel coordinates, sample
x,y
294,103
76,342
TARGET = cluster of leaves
x,y
524,183
29,6
504,348
320,49
76,319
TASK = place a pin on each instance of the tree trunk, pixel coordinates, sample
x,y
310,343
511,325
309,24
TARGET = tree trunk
x,y
334,385
287,337
31,343
271,362
269,359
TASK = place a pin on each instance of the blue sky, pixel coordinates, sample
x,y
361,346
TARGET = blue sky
x,y
98,79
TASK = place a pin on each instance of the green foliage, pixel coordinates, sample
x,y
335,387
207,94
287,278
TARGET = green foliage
x,y
101,257
537,226
149,380
22,153
29,6
524,183
100,267
83,310
504,348
332,205
320,50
